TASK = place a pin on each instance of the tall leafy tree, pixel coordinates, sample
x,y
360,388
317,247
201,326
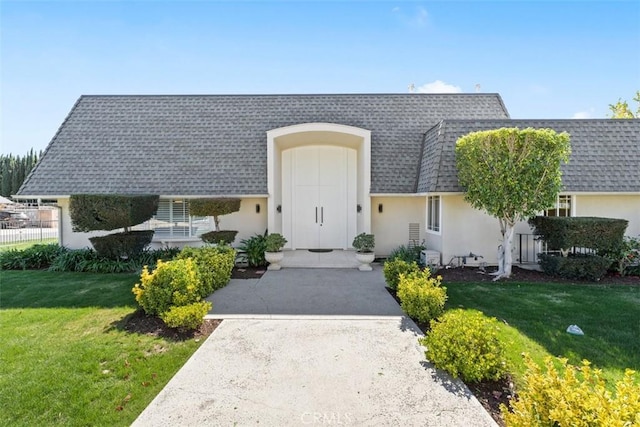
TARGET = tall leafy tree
x,y
621,109
511,174
14,170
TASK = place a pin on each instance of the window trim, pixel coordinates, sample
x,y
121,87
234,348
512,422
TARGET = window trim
x,y
434,205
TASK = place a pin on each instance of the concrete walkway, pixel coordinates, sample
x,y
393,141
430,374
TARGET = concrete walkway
x,y
274,364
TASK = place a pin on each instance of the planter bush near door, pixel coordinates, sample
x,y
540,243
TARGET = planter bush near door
x,y
273,250
364,244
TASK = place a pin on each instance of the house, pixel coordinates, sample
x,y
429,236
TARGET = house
x,y
319,169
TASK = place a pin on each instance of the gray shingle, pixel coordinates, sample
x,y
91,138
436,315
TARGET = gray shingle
x,y
216,144
605,153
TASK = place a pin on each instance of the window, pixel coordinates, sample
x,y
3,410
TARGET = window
x,y
172,221
433,213
562,207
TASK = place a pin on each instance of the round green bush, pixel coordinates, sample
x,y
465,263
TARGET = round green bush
x,y
465,343
214,265
392,270
186,317
421,296
171,283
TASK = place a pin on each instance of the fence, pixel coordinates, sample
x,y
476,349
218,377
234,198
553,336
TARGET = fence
x,y
33,231
529,247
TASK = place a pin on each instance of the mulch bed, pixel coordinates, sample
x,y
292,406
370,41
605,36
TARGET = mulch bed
x,y
248,272
140,323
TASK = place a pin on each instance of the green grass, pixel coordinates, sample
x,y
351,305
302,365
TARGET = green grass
x,y
24,245
539,314
64,358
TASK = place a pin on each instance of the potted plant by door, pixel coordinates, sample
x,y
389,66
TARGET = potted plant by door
x,y
274,243
364,244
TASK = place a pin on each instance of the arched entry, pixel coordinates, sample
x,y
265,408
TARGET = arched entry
x,y
318,177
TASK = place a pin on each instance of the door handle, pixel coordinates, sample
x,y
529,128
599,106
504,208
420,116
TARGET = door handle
x,y
316,214
322,215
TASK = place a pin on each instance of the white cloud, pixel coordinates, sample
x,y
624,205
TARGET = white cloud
x,y
438,87
395,9
581,115
420,18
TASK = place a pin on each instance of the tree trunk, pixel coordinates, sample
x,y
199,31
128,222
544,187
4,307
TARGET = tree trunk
x,y
507,228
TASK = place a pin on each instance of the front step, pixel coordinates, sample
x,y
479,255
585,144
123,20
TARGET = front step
x,y
302,258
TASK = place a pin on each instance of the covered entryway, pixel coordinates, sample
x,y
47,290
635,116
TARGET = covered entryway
x,y
319,180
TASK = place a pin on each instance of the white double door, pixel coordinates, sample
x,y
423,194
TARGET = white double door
x,y
320,196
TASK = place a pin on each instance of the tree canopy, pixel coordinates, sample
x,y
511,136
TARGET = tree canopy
x,y
14,170
511,174
621,109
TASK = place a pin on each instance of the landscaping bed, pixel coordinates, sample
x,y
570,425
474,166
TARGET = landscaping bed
x,y
491,394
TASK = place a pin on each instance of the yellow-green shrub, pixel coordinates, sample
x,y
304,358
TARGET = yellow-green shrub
x,y
186,316
421,296
575,397
394,268
465,343
171,283
214,265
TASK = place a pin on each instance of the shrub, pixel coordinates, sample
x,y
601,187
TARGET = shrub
x,y
186,317
35,257
406,253
626,257
393,268
421,296
226,237
364,242
274,242
215,208
254,247
575,397
171,283
214,266
602,234
465,343
578,266
91,212
122,245
72,259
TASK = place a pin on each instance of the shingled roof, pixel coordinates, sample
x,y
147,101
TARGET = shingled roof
x,y
605,153
216,144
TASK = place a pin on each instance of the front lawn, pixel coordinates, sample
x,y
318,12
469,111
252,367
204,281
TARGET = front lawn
x,y
65,358
539,314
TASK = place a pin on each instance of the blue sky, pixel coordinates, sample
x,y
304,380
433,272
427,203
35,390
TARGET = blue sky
x,y
547,59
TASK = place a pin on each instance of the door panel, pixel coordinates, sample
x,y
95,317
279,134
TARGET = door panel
x,y
319,197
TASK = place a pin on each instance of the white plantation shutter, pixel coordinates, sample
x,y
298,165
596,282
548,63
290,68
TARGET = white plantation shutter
x,y
172,221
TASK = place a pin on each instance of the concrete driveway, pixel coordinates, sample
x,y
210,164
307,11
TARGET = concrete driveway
x,y
328,349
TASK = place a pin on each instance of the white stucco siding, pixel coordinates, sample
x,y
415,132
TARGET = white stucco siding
x,y
611,206
391,226
247,221
465,229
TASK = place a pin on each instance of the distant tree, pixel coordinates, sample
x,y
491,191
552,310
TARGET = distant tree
x,y
14,170
621,110
511,174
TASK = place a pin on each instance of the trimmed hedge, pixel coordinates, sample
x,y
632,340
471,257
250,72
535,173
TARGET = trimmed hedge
x,y
578,266
122,245
91,212
214,265
213,207
465,343
225,236
601,234
393,268
421,296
